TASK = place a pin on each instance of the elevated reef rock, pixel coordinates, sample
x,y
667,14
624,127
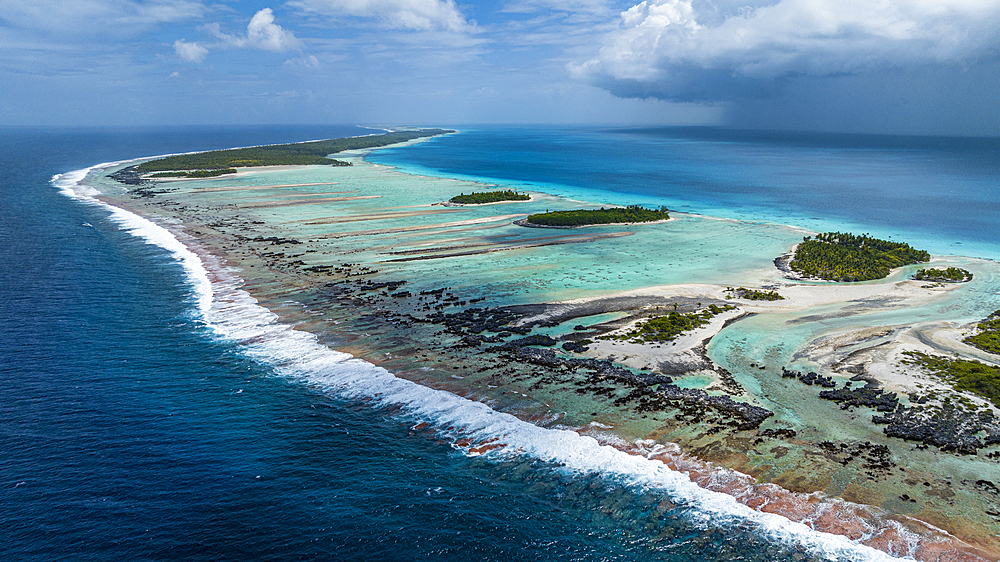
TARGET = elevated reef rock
x,y
947,428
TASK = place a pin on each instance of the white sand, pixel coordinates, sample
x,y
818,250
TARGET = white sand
x,y
887,342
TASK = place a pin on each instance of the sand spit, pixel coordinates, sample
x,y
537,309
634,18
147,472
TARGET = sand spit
x,y
797,297
686,354
372,217
875,355
438,226
304,196
470,243
518,246
270,204
262,187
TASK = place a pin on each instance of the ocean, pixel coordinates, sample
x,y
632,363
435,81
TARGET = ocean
x,y
938,193
140,420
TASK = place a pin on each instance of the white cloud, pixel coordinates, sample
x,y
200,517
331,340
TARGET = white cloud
x,y
262,33
191,52
420,15
568,6
307,62
97,17
702,50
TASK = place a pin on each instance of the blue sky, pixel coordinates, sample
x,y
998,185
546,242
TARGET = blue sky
x,y
897,66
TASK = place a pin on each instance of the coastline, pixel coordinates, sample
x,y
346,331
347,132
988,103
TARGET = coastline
x,y
531,199
524,222
263,290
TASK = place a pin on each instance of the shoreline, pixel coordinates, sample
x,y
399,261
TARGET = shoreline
x,y
861,292
531,199
524,222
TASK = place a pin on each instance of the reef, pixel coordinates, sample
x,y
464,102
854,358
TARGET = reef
x,y
948,428
129,176
945,426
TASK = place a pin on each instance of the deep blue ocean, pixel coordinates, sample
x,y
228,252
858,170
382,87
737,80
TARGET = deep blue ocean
x,y
130,431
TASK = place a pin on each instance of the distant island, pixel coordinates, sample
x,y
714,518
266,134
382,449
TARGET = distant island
x,y
483,197
840,256
589,217
219,162
949,275
194,174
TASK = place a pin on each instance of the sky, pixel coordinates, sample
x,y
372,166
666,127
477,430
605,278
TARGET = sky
x,y
871,66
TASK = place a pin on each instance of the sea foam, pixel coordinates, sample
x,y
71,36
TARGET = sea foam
x,y
234,315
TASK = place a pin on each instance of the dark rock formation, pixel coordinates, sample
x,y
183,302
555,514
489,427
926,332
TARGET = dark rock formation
x,y
809,378
864,396
536,339
575,347
651,391
948,428
477,320
129,176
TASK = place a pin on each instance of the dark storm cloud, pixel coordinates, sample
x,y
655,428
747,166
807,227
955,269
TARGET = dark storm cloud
x,y
811,62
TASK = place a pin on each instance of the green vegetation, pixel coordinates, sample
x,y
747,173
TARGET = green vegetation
x,y
479,198
950,275
839,256
754,294
971,376
194,174
659,329
302,153
988,338
585,217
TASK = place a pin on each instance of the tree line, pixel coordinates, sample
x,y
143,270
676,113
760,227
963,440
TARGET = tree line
x,y
754,294
951,274
302,153
586,217
988,338
195,173
481,197
840,256
660,329
972,376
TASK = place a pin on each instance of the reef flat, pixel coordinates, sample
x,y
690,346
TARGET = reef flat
x,y
544,324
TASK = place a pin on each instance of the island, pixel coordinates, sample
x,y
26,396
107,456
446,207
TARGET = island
x,y
631,214
947,275
665,328
485,197
209,164
840,256
193,174
830,403
753,294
